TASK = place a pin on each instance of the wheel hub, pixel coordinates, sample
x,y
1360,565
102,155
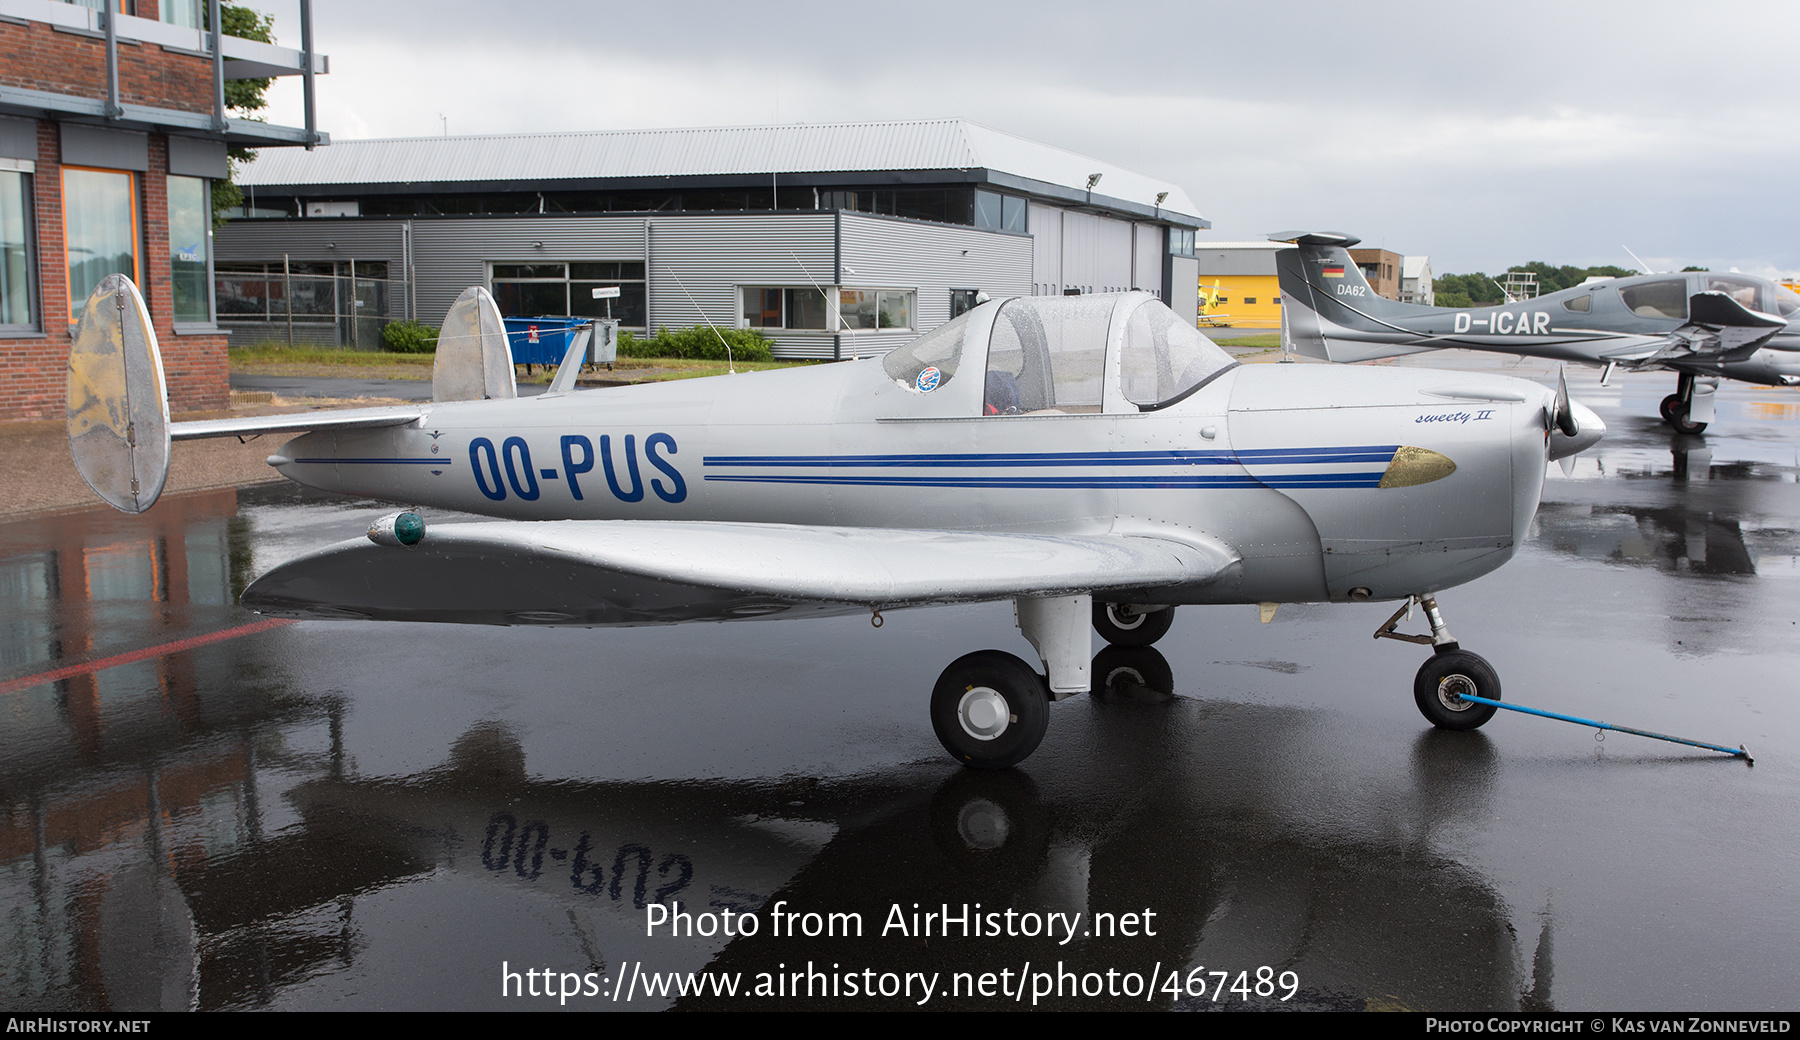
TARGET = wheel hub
x,y
983,713
1452,689
982,825
1123,617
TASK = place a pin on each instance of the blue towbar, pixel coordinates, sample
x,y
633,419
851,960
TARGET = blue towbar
x,y
1737,752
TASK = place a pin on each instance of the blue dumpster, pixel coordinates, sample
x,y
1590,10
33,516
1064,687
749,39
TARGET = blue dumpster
x,y
541,341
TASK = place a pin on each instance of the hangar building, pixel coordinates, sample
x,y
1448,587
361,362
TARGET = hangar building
x,y
835,240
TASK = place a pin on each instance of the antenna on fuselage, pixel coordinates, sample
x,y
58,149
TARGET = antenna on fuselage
x,y
729,366
1641,265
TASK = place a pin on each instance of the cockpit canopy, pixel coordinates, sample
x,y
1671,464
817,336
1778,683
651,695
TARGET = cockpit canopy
x,y
1052,354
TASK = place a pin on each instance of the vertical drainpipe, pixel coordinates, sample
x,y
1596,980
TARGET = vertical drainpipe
x,y
113,109
837,278
406,253
306,75
218,63
647,324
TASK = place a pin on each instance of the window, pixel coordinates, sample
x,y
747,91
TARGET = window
x,y
1664,298
185,13
994,210
768,307
16,310
1165,358
1181,241
1045,355
875,309
1581,304
963,301
567,288
190,248
935,356
100,227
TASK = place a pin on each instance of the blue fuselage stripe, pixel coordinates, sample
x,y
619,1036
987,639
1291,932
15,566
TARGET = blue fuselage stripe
x,y
375,462
1298,480
1379,454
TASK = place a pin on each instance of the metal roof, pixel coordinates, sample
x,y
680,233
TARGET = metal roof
x,y
938,144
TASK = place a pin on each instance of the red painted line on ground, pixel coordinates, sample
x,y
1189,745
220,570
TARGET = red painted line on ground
x,y
114,661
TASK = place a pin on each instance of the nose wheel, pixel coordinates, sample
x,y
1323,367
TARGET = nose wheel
x,y
1450,675
1124,624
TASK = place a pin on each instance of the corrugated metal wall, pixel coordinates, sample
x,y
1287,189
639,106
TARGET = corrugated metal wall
x,y
1147,263
1046,232
698,262
932,259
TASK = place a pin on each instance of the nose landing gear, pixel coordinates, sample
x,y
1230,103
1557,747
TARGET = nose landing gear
x,y
1450,674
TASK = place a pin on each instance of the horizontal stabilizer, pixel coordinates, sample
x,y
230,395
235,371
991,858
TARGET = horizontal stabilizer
x,y
613,572
1316,238
297,422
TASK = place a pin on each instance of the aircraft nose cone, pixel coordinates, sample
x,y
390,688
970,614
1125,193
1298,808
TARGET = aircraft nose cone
x,y
1588,430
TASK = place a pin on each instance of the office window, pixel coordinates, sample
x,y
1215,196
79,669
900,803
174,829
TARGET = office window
x,y
100,227
190,248
994,210
185,13
16,310
546,289
875,309
772,307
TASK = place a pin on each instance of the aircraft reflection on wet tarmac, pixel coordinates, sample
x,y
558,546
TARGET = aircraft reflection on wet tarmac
x,y
193,829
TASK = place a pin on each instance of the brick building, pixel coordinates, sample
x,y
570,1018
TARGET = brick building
x,y
112,129
1382,268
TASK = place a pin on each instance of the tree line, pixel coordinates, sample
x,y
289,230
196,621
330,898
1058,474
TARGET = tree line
x,y
1480,290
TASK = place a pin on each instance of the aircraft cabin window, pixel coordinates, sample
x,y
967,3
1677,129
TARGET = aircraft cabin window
x,y
1745,291
1046,355
1787,302
1663,298
929,361
1165,359
1582,303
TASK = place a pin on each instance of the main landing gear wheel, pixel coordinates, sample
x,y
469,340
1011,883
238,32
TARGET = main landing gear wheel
x,y
1680,421
1669,405
1445,678
990,709
1120,625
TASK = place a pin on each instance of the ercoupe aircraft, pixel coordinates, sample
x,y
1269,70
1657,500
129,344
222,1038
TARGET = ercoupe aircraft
x,y
1092,459
1699,325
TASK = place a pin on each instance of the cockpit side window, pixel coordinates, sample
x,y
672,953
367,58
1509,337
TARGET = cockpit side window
x,y
1663,298
929,361
1581,304
1046,355
1746,291
1165,358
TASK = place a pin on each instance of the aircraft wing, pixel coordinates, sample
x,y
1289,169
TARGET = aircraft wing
x,y
640,572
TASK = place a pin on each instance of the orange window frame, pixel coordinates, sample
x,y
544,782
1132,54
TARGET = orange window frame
x,y
137,241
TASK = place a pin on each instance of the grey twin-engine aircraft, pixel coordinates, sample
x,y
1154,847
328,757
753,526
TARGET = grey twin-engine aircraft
x,y
1093,459
1699,325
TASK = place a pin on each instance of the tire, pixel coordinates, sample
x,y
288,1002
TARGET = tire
x,y
1437,687
1119,625
1132,673
1669,404
1680,421
966,703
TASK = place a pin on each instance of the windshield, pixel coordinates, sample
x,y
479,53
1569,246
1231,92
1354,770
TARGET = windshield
x,y
929,361
1165,358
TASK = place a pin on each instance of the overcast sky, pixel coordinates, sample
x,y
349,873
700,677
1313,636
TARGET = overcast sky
x,y
1480,136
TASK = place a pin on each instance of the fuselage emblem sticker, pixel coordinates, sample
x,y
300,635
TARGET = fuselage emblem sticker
x,y
929,379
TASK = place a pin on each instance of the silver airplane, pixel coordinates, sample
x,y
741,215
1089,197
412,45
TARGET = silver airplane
x,y
1093,459
1697,324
